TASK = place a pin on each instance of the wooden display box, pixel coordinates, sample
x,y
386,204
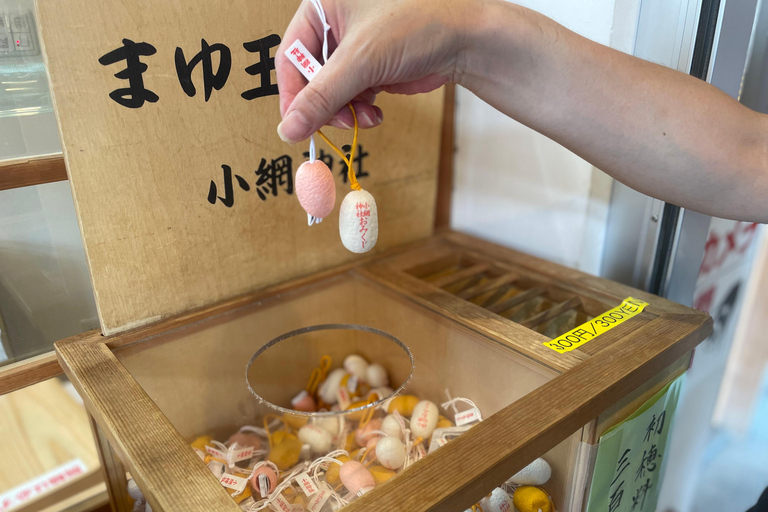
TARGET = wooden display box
x,y
475,316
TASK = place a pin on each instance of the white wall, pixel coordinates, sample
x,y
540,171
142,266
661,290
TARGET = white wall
x,y
521,189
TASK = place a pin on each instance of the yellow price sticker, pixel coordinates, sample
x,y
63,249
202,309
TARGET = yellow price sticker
x,y
584,333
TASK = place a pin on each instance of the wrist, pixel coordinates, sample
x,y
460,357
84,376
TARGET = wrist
x,y
491,43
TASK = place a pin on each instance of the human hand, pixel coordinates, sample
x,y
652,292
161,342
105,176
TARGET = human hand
x,y
396,46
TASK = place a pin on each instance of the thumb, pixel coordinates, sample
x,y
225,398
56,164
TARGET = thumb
x,y
335,85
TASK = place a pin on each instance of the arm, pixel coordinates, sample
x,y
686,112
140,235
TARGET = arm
x,y
657,130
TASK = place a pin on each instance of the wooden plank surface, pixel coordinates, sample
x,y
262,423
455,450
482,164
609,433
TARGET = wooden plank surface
x,y
29,371
141,177
25,172
42,427
457,475
169,473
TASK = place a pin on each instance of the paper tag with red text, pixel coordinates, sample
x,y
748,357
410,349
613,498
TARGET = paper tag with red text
x,y
233,482
281,504
242,454
466,417
307,484
319,499
216,452
343,396
300,57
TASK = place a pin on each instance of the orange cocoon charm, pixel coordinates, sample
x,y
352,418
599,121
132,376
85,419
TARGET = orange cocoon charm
x,y
358,221
315,189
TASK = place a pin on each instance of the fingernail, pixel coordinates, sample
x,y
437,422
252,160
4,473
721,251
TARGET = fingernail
x,y
338,123
365,120
293,128
379,119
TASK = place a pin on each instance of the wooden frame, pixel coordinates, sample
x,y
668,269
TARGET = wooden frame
x,y
25,172
590,381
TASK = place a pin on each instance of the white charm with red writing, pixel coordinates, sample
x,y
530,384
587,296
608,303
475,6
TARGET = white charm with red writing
x,y
358,221
424,419
498,501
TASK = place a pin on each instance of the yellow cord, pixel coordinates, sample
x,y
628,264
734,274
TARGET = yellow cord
x,y
318,375
367,414
267,417
351,173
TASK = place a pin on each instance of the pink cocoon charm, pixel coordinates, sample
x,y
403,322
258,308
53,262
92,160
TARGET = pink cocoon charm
x,y
264,480
315,189
356,478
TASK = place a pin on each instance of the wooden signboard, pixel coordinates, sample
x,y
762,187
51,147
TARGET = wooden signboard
x,y
168,112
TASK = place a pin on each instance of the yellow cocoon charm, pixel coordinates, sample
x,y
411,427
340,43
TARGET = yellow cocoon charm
x,y
200,442
285,450
332,475
381,474
403,404
531,499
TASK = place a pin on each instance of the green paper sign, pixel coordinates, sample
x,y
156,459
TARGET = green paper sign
x,y
630,457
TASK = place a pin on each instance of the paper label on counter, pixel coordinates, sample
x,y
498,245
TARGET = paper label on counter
x,y
319,500
300,57
233,482
216,453
307,484
281,504
31,489
467,417
601,324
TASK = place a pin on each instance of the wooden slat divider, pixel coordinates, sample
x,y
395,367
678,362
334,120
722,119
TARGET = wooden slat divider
x,y
552,312
464,273
494,283
517,299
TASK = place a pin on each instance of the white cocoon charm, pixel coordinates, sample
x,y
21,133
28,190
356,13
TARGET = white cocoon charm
x,y
498,501
391,452
535,473
424,419
376,376
391,427
356,365
330,386
318,439
358,221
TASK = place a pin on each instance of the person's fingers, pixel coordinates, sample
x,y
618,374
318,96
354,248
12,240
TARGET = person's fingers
x,y
306,27
340,80
368,116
